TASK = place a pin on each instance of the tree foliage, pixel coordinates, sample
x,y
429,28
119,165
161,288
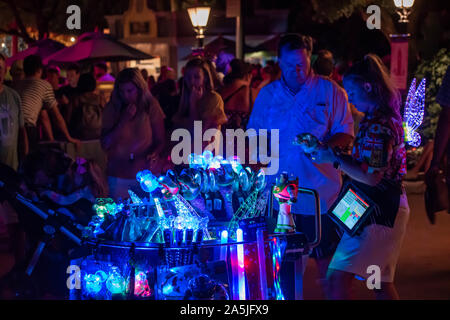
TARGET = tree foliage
x,y
47,16
332,10
433,70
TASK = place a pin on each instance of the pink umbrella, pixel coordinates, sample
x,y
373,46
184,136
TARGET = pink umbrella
x,y
93,47
42,48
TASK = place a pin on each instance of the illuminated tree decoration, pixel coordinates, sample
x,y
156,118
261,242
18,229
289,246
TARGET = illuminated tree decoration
x,y
414,112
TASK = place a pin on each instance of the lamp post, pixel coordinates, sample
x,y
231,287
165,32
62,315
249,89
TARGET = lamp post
x,y
403,9
199,17
399,46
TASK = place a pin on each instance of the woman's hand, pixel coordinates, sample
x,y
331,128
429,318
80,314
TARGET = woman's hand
x,y
130,112
196,94
152,158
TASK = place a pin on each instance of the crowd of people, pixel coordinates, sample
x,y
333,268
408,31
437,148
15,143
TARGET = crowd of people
x,y
355,109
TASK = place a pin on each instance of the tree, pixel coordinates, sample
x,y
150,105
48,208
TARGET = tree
x,y
47,16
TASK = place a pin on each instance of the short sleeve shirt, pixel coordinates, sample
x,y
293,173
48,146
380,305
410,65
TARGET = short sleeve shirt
x,y
11,120
379,146
320,108
35,94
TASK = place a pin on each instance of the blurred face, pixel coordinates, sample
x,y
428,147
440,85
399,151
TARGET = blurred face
x,y
358,94
195,78
295,66
72,78
98,72
53,78
128,93
2,71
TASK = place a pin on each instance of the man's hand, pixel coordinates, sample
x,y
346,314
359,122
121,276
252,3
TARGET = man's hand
x,y
323,154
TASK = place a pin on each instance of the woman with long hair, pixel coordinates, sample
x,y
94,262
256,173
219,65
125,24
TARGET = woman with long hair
x,y
199,101
133,133
376,166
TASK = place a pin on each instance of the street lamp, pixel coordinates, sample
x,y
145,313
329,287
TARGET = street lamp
x,y
199,18
403,9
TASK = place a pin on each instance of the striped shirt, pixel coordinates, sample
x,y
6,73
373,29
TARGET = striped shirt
x,y
35,95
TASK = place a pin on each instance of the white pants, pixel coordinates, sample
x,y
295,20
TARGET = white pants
x,y
377,245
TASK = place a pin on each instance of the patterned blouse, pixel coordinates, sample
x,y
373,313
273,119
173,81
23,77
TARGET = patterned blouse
x,y
379,146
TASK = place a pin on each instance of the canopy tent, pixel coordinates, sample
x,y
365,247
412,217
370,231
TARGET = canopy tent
x,y
94,47
42,48
218,44
269,45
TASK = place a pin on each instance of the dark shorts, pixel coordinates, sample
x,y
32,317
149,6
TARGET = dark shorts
x,y
331,234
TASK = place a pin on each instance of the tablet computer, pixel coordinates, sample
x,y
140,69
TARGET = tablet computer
x,y
351,209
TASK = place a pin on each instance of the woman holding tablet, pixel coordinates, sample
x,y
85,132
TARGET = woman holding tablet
x,y
376,167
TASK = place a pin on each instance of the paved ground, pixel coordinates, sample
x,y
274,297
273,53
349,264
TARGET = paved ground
x,y
423,271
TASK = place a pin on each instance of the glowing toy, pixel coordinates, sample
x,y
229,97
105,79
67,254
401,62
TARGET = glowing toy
x,y
286,193
134,198
147,180
414,112
115,282
104,206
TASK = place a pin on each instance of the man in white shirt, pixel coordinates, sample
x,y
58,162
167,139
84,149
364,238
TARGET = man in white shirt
x,y
302,102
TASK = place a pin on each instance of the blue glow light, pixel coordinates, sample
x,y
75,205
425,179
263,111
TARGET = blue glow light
x,y
115,283
147,180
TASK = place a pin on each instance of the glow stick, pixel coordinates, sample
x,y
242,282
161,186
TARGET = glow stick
x,y
241,272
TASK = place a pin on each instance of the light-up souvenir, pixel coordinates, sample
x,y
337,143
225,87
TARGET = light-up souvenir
x,y
147,180
189,188
285,191
307,142
169,184
93,283
259,180
115,283
104,206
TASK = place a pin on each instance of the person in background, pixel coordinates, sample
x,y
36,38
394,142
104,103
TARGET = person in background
x,y
36,95
12,130
166,94
376,166
324,66
216,78
16,72
199,101
441,140
236,95
302,102
151,82
84,111
144,73
70,91
101,72
132,112
53,74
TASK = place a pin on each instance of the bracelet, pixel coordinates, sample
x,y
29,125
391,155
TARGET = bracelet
x,y
336,162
